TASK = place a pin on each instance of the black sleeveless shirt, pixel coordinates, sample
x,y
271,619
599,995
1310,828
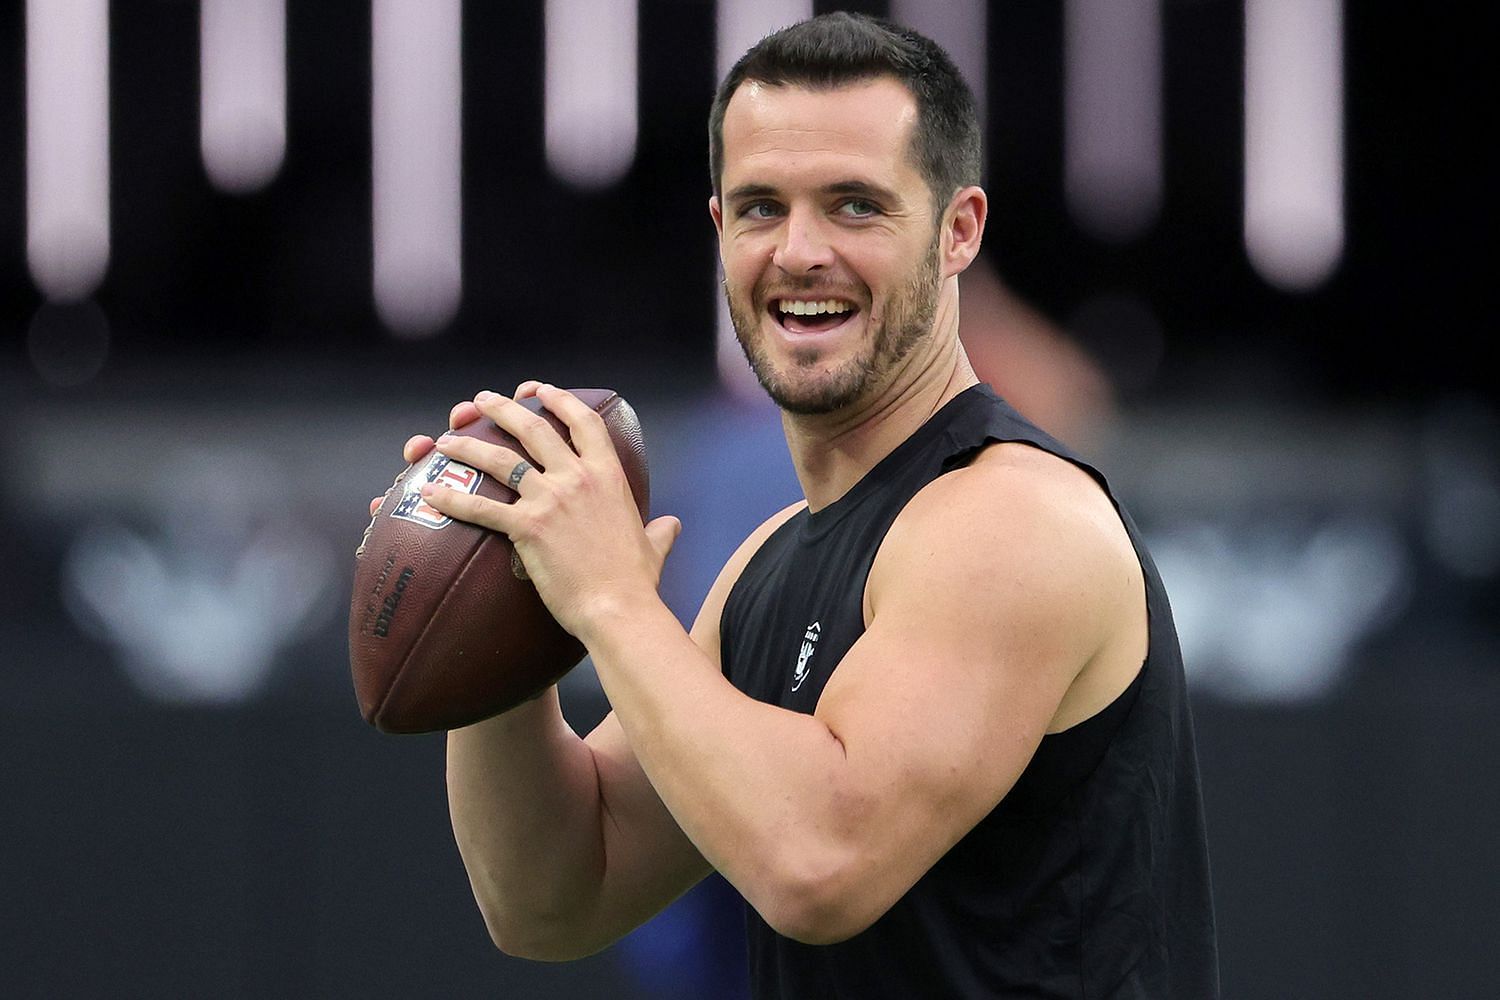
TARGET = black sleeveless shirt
x,y
1090,878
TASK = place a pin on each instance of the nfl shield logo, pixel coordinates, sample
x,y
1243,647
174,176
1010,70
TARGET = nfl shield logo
x,y
444,471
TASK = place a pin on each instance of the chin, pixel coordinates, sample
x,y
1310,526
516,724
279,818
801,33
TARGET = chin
x,y
814,396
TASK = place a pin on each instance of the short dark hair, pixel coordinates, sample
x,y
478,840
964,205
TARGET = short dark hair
x,y
835,50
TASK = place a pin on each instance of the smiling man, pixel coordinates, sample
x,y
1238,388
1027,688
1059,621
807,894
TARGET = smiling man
x,y
813,205
931,721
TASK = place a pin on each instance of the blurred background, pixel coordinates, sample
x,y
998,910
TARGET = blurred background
x,y
249,246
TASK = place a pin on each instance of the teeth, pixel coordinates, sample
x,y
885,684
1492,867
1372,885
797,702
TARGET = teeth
x,y
799,308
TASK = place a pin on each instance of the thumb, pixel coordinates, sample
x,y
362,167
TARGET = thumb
x,y
663,532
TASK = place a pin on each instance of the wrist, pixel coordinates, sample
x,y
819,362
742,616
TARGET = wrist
x,y
621,617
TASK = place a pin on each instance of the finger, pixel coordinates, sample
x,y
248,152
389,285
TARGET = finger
x,y
585,426
541,441
416,448
470,507
375,505
518,475
662,533
495,460
463,413
527,389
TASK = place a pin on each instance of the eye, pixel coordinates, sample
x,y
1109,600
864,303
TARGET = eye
x,y
858,208
759,211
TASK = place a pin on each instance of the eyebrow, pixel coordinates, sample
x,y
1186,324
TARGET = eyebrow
x,y
847,187
745,191
872,191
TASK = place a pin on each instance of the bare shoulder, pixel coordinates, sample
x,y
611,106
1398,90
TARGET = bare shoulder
x,y
1035,544
1015,502
1020,475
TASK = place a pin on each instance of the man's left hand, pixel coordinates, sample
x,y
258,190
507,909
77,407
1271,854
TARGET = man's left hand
x,y
575,524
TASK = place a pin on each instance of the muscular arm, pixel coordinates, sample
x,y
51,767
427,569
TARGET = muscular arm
x,y
567,845
822,822
974,639
994,593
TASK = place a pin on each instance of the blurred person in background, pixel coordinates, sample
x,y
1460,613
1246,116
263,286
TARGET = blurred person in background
x,y
1031,362
931,721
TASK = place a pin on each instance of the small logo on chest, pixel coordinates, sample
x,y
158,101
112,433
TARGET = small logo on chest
x,y
809,646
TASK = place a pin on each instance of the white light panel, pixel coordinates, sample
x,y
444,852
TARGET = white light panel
x,y
67,145
742,23
591,90
959,26
242,91
1112,100
416,107
1294,140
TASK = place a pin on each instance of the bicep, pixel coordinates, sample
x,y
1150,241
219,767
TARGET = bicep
x,y
938,719
973,640
948,694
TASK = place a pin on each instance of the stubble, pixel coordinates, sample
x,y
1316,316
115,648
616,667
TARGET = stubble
x,y
800,389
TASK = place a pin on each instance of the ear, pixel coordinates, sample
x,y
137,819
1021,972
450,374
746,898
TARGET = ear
x,y
717,211
963,229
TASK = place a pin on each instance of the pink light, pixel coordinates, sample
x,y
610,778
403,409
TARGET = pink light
x,y
67,145
1294,140
959,27
742,23
591,90
1112,148
242,91
416,105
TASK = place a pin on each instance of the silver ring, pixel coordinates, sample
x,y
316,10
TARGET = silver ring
x,y
516,474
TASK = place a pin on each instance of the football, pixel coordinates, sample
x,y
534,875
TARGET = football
x,y
444,629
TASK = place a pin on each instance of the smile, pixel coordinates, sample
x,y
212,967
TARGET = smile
x,y
811,315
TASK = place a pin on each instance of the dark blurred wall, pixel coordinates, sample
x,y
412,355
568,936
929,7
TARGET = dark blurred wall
x,y
284,275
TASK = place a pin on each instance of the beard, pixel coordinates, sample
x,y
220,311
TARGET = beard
x,y
801,388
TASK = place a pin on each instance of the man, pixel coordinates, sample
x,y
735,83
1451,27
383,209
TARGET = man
x,y
931,721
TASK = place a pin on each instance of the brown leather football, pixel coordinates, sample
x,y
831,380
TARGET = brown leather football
x,y
444,631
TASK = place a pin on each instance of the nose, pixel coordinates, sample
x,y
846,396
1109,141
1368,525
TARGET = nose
x,y
804,246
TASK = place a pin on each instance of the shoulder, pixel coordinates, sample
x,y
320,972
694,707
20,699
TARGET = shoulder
x,y
1019,496
997,594
1017,530
705,629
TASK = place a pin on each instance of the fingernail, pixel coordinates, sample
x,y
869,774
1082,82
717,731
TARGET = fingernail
x,y
428,489
484,396
444,438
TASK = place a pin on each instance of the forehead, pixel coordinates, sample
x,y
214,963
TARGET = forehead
x,y
864,126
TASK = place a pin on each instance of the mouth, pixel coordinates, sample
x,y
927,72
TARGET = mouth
x,y
804,316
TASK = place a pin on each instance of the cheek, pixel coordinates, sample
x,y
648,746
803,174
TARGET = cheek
x,y
743,265
886,274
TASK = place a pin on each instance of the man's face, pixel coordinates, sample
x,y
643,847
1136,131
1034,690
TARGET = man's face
x,y
827,234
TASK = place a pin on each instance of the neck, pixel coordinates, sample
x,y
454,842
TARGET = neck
x,y
833,451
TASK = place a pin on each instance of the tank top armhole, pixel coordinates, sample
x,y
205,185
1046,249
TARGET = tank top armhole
x,y
761,553
1065,759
